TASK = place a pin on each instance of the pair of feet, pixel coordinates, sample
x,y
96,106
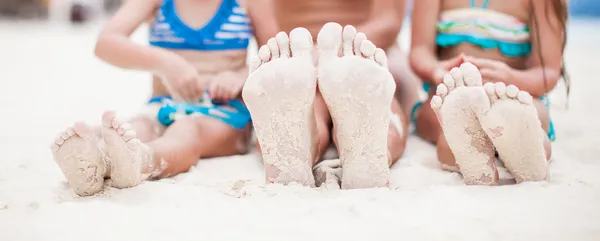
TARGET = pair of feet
x,y
87,160
479,120
356,86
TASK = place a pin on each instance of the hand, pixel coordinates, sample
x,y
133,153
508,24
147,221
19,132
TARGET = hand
x,y
445,66
181,79
492,70
226,86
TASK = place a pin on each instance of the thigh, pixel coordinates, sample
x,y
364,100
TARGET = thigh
x,y
208,137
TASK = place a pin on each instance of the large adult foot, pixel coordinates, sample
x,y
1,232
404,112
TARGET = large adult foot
x,y
76,152
358,90
512,124
130,160
456,104
279,93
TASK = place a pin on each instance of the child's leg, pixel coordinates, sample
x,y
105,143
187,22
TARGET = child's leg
x,y
358,90
280,95
77,152
513,126
178,149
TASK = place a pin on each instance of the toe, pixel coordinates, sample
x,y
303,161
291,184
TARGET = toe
x,y
64,135
54,147
525,98
284,44
83,130
512,91
329,40
358,39
348,35
436,102
59,140
128,135
124,128
449,81
471,75
107,118
254,63
264,53
274,48
70,131
133,143
301,43
381,58
442,90
500,90
490,90
367,48
457,74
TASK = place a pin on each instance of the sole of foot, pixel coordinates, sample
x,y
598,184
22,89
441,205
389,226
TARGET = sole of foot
x,y
358,90
76,152
456,104
280,93
513,125
129,158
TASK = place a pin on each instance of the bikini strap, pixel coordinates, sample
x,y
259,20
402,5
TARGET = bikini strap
x,y
484,5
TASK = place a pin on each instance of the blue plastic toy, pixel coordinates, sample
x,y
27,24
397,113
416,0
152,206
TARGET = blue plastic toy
x,y
237,119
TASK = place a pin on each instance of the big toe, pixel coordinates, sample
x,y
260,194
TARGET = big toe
x,y
301,42
471,75
329,39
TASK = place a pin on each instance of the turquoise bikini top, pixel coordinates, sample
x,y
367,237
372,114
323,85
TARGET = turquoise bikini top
x,y
229,29
484,27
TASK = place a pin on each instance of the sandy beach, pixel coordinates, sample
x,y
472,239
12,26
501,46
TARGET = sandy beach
x,y
50,78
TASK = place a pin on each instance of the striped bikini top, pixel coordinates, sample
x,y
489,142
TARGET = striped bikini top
x,y
229,29
484,27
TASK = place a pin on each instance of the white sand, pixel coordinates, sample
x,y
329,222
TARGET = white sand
x,y
50,78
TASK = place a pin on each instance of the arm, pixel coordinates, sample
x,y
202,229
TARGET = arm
x,y
547,39
384,23
114,46
423,59
262,15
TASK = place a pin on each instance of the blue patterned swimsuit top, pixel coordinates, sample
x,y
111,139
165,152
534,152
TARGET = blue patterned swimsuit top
x,y
485,28
229,29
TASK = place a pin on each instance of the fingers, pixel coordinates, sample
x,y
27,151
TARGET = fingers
x,y
490,75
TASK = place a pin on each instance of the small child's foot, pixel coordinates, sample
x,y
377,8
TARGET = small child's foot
x,y
279,93
512,124
76,152
131,161
358,90
456,104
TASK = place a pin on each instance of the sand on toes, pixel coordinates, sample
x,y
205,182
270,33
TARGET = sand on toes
x,y
76,152
130,160
358,90
456,104
280,93
513,126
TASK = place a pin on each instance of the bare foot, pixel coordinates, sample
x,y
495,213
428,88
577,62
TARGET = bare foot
x,y
130,160
456,103
76,153
279,93
513,125
358,90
